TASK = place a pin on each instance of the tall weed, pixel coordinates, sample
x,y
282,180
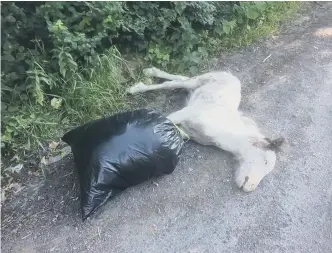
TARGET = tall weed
x,y
88,94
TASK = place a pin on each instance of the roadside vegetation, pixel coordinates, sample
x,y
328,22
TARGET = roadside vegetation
x,y
65,63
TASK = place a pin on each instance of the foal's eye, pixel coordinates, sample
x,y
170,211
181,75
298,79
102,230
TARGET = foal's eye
x,y
265,161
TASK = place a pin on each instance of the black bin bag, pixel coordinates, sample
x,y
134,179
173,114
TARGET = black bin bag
x,y
114,153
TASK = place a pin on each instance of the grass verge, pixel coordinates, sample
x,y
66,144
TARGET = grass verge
x,y
88,94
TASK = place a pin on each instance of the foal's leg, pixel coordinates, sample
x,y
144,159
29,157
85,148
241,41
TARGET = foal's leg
x,y
179,116
188,84
154,72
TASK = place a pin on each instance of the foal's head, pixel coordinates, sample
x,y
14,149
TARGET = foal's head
x,y
258,161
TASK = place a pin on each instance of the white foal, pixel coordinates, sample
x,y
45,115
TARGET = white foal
x,y
211,117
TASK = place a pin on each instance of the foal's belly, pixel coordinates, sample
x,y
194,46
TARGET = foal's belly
x,y
213,125
214,93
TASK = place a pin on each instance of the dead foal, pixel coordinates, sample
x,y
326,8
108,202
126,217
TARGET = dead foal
x,y
211,117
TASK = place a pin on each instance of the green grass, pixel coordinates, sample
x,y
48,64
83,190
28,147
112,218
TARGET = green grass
x,y
87,95
244,35
276,14
102,93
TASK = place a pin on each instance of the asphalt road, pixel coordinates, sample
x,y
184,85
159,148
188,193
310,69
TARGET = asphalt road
x,y
288,90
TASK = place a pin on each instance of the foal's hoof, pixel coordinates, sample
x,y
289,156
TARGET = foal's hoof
x,y
150,71
137,88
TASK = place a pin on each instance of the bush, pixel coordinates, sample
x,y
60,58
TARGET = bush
x,y
58,68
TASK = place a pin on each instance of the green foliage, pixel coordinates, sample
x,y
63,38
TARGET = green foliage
x,y
60,65
27,126
29,121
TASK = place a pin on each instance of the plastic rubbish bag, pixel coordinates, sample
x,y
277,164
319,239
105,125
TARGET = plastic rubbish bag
x,y
114,153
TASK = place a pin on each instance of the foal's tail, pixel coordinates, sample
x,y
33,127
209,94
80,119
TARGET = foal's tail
x,y
276,144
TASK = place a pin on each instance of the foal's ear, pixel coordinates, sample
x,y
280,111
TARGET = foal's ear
x,y
276,144
261,143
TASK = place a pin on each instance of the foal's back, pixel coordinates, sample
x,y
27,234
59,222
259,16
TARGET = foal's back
x,y
216,89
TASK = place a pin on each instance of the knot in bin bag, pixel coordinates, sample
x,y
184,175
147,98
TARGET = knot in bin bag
x,y
114,153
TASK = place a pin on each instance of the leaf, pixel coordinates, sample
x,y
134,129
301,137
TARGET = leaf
x,y
53,145
45,80
10,19
38,93
7,46
261,6
7,57
85,21
5,87
228,26
56,103
252,13
59,25
108,20
219,30
180,7
63,70
193,70
13,108
184,23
